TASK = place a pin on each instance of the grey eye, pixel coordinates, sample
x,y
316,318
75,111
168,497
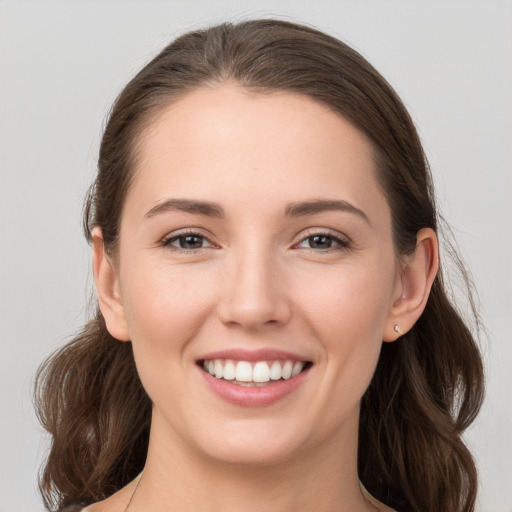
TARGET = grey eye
x,y
320,242
323,242
188,242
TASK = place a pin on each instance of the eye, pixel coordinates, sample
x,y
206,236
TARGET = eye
x,y
323,242
187,242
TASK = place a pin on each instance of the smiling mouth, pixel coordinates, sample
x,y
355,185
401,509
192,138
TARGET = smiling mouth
x,y
254,373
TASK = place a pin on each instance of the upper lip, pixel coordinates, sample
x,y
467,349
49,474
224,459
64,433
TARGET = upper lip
x,y
261,354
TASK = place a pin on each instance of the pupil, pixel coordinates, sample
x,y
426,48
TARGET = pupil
x,y
191,242
320,242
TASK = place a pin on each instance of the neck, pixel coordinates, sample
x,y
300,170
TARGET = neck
x,y
319,478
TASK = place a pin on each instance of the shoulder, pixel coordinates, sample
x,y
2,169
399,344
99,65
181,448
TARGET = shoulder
x,y
76,507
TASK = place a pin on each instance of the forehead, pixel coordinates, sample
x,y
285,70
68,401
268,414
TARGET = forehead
x,y
236,144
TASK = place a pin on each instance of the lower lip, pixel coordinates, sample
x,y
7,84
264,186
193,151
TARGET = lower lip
x,y
246,396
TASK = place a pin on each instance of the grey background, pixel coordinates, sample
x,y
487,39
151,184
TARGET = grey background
x,y
61,66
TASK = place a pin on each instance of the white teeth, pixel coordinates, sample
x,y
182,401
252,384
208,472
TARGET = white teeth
x,y
275,370
261,372
218,368
229,370
287,370
297,368
258,372
243,372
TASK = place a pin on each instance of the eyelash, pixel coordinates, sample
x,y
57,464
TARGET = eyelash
x,y
168,240
340,242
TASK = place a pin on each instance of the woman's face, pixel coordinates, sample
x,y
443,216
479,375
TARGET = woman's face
x,y
255,240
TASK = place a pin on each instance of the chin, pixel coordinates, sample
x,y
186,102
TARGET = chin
x,y
255,442
249,454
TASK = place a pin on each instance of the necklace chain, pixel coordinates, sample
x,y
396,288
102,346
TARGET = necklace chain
x,y
133,493
366,494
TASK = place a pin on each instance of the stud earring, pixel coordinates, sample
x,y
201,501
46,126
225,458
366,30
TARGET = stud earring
x,y
397,329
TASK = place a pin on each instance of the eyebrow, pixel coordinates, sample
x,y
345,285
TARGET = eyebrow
x,y
298,209
187,205
295,209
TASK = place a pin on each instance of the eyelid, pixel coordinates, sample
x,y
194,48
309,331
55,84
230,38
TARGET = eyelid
x,y
166,240
343,240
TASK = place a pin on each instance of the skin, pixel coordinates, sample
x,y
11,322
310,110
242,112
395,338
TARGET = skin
x,y
257,281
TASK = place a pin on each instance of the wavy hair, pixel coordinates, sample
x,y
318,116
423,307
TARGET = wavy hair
x,y
427,387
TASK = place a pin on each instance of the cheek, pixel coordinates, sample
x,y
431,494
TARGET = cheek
x,y
165,307
347,312
348,303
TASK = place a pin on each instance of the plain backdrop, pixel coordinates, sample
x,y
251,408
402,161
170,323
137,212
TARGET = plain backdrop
x,y
63,63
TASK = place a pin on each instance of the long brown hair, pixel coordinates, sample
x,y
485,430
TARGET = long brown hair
x,y
428,386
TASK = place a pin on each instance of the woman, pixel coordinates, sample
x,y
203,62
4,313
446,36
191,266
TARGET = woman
x,y
263,219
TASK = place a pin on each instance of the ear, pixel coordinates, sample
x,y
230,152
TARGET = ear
x,y
417,274
107,286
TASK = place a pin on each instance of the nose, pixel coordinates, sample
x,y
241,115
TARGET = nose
x,y
254,294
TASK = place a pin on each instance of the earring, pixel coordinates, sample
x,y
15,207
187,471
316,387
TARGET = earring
x,y
397,329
